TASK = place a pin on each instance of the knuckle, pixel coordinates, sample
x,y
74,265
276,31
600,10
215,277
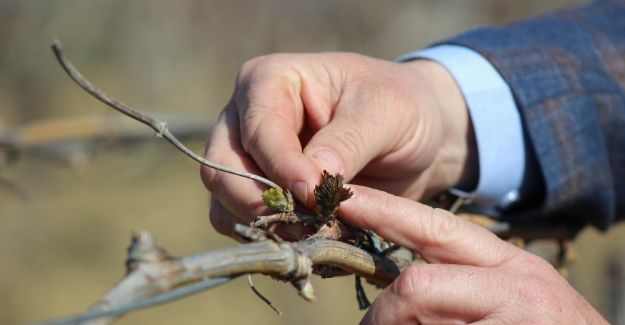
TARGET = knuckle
x,y
439,229
535,292
541,287
351,138
444,227
249,66
348,144
250,122
413,281
447,223
263,64
211,177
529,261
219,219
208,178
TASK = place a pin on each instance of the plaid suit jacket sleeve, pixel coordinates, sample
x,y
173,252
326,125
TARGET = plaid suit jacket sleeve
x,y
567,73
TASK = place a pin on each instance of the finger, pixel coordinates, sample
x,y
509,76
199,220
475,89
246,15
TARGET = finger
x,y
438,294
436,234
240,196
271,115
353,138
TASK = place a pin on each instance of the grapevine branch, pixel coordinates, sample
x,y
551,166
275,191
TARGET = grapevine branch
x,y
154,277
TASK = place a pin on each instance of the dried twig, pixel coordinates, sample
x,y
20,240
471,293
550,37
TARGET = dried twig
x,y
260,296
74,141
159,126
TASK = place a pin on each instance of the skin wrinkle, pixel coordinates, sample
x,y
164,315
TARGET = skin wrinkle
x,y
429,242
411,188
317,115
406,289
333,86
374,151
399,304
399,135
351,139
250,125
249,116
422,135
252,144
296,90
410,147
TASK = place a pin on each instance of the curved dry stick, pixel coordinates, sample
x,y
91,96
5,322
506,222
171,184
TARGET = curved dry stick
x,y
154,277
159,126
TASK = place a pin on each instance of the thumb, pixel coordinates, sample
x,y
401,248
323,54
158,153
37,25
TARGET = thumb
x,y
349,142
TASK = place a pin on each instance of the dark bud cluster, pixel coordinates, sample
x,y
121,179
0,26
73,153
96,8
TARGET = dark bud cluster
x,y
328,196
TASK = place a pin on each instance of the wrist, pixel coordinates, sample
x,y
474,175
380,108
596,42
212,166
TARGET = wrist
x,y
456,163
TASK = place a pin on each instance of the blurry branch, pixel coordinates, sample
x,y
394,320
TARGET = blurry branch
x,y
528,230
160,127
52,137
154,277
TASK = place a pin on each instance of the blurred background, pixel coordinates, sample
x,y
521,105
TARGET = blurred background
x,y
75,179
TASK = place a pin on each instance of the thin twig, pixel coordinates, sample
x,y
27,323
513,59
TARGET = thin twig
x,y
283,218
250,283
159,126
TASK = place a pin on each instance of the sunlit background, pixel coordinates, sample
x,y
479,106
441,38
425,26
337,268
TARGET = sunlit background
x,y
67,208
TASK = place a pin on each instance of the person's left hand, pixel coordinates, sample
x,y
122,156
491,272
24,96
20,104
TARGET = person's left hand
x,y
473,276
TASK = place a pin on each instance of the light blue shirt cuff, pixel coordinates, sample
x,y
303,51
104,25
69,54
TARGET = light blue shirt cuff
x,y
496,122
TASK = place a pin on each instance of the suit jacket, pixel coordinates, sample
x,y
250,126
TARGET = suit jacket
x,y
567,73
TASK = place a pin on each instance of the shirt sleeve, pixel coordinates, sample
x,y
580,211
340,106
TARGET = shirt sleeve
x,y
496,123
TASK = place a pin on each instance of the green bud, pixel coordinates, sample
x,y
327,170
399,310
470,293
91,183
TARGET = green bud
x,y
274,198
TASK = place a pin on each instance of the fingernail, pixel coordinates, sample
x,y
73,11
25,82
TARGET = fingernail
x,y
329,160
300,190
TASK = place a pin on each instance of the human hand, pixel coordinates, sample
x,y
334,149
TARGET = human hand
x,y
473,276
402,128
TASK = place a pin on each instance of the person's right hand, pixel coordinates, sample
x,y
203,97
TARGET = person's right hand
x,y
402,128
472,276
